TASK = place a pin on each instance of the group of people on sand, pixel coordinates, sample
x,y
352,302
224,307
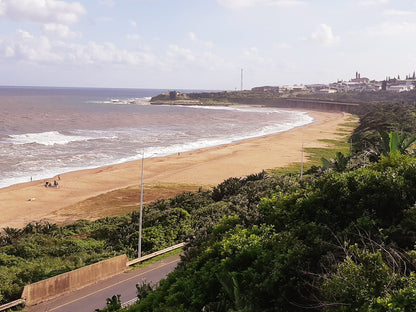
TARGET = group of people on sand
x,y
49,184
55,183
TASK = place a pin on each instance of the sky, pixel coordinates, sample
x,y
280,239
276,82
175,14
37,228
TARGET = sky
x,y
203,44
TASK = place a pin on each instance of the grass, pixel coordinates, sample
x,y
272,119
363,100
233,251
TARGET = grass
x,y
315,154
122,201
215,102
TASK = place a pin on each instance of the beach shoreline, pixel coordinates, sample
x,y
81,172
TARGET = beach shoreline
x,y
32,201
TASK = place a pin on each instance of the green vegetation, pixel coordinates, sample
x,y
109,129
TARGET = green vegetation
x,y
224,98
313,155
368,97
340,241
342,238
42,250
378,118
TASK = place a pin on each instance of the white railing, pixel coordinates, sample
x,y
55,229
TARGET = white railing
x,y
157,253
11,304
129,303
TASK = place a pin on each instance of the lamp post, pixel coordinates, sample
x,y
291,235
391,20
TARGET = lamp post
x,y
139,253
301,168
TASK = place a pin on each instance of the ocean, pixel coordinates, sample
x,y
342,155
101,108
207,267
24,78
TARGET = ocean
x,y
48,131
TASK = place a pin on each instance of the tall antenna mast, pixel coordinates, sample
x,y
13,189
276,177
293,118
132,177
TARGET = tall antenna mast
x,y
241,79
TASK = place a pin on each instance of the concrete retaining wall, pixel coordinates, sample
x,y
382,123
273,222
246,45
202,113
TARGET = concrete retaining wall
x,y
317,104
70,281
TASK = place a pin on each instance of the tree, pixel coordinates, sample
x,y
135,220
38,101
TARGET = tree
x,y
113,304
356,282
338,164
392,142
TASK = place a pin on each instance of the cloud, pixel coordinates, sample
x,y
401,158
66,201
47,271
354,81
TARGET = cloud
x,y
194,38
177,53
42,11
41,50
178,58
133,37
212,62
133,23
393,29
252,52
254,56
106,53
399,13
27,47
104,19
107,3
283,45
372,2
239,4
59,30
22,34
324,35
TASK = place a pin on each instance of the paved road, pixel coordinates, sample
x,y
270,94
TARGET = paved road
x,y
94,296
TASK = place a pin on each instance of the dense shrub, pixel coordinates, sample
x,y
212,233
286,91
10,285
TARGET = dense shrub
x,y
296,255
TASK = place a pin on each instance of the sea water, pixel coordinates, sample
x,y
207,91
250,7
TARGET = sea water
x,y
48,131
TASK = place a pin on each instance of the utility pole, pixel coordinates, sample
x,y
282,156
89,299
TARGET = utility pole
x,y
139,253
301,168
241,79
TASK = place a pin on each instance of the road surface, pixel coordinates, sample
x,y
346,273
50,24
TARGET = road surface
x,y
94,296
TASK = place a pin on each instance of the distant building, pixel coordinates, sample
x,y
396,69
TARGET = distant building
x,y
172,95
400,87
294,88
316,86
265,89
358,79
326,91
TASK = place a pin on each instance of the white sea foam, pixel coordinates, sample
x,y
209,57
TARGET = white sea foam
x,y
44,138
45,154
160,151
129,101
240,108
48,138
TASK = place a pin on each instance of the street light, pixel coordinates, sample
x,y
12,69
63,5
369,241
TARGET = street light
x,y
139,253
301,168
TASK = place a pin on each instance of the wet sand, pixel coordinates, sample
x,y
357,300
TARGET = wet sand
x,y
23,203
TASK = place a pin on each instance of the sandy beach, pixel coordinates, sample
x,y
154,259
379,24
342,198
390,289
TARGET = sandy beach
x,y
23,203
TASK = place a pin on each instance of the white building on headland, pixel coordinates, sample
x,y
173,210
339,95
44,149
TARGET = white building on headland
x,y
326,91
400,87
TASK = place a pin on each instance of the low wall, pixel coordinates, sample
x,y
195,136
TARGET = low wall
x,y
70,281
317,104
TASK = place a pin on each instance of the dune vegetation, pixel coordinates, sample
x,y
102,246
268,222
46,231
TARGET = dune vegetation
x,y
339,238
